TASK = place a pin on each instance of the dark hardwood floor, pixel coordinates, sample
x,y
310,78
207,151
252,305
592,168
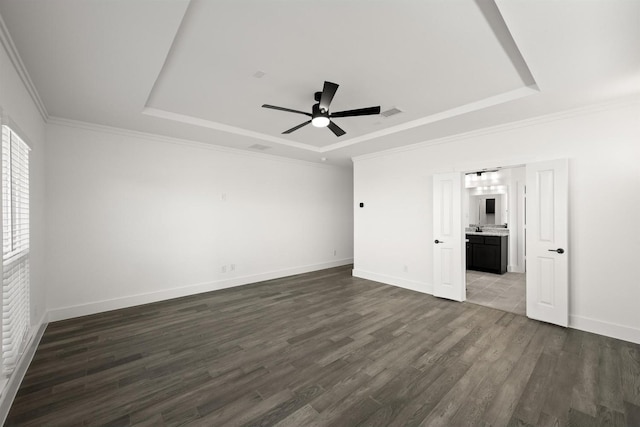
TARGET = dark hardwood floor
x,y
325,349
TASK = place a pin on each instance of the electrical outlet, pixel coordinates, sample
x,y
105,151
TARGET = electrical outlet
x,y
232,267
223,269
335,252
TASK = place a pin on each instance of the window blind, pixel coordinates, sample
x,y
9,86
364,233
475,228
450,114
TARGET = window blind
x,y
15,247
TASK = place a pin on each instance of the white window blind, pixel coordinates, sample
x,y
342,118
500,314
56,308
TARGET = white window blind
x,y
15,247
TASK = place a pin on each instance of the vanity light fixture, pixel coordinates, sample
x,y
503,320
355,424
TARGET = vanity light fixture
x,y
494,173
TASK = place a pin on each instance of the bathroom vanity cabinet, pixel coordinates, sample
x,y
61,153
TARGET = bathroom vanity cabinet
x,y
487,253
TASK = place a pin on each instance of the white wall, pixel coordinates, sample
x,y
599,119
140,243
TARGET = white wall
x,y
394,229
132,220
516,217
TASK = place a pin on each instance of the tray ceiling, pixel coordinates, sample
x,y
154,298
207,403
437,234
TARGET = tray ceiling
x,y
200,70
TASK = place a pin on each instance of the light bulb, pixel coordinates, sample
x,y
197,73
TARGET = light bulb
x,y
320,121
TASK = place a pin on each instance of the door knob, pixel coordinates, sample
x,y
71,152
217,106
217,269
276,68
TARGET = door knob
x,y
559,250
438,241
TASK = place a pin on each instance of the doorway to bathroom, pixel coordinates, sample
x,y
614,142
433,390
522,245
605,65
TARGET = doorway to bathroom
x,y
547,227
494,203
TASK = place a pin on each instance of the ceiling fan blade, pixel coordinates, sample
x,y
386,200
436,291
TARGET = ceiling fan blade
x,y
297,127
273,107
328,92
358,112
336,129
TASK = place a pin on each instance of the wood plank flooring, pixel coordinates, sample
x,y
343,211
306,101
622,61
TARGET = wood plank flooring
x,y
324,348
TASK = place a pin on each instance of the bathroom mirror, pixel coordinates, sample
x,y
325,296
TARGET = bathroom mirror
x,y
488,209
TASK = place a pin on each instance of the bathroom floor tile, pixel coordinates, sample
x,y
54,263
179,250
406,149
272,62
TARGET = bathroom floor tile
x,y
504,292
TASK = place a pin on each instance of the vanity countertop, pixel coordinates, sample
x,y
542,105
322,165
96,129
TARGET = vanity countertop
x,y
487,233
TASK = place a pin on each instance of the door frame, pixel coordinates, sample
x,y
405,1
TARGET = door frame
x,y
490,166
501,165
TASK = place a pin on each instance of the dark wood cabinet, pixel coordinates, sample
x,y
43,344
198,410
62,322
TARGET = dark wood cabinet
x,y
487,253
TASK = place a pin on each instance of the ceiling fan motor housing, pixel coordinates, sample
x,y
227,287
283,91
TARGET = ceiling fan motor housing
x,y
317,112
319,117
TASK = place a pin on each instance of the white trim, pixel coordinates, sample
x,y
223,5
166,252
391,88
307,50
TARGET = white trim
x,y
11,389
77,124
413,285
546,118
608,329
166,294
600,327
490,101
16,60
209,124
500,98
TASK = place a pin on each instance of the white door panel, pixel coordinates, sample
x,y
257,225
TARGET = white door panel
x,y
448,268
547,238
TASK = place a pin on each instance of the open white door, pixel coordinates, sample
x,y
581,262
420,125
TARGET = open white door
x,y
547,238
448,273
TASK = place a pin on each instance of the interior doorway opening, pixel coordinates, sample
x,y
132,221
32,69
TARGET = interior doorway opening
x,y
494,220
547,237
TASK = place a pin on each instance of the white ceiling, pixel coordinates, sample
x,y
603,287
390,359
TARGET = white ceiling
x,y
186,69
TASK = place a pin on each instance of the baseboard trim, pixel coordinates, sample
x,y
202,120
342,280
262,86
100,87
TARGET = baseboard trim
x,y
608,329
63,313
13,384
413,285
613,330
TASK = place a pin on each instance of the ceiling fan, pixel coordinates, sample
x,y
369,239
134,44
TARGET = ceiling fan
x,y
320,116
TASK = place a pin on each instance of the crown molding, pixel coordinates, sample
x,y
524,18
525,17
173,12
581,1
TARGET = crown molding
x,y
16,60
77,124
443,115
547,118
190,120
453,112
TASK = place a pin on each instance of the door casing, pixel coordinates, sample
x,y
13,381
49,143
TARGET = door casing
x,y
560,321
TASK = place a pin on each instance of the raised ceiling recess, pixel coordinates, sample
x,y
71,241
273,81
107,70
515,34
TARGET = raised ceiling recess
x,y
437,57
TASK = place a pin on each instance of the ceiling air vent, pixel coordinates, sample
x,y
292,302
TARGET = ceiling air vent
x,y
391,112
259,147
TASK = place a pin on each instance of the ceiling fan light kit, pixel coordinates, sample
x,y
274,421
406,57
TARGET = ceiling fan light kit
x,y
320,121
320,116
